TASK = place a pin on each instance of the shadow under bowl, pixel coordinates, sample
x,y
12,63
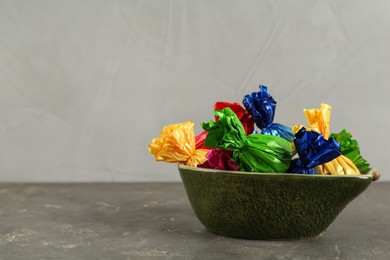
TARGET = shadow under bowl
x,y
268,206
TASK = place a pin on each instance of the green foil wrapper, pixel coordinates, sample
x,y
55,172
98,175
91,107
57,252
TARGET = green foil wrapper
x,y
253,153
350,149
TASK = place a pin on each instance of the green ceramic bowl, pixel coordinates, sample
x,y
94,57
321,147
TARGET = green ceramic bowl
x,y
269,206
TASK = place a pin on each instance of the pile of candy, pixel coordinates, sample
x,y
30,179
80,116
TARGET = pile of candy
x,y
232,142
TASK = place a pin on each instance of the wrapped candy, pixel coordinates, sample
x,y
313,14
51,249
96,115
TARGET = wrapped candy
x,y
255,152
220,159
231,143
176,143
242,114
261,106
319,121
350,149
313,149
339,166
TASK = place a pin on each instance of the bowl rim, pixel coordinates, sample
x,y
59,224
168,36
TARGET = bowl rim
x,y
368,174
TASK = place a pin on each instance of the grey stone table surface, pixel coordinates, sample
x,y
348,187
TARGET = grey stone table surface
x,y
155,221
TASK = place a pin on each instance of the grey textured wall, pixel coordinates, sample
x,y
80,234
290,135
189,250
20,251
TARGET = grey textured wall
x,y
85,85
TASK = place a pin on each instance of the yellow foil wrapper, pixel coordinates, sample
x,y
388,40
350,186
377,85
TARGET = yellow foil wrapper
x,y
296,128
318,120
176,143
339,166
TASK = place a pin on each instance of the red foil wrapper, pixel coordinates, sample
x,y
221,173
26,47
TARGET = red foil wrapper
x,y
220,160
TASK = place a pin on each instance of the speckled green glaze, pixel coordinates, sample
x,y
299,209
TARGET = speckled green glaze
x,y
268,206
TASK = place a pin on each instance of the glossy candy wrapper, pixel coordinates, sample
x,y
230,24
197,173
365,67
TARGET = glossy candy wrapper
x,y
350,149
339,166
176,143
313,150
255,152
220,160
242,114
231,143
261,106
319,121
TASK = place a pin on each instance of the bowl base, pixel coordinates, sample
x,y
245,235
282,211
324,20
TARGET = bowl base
x,y
317,236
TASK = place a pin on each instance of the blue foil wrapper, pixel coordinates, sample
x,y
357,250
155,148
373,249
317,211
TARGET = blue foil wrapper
x,y
279,130
262,106
313,149
297,167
